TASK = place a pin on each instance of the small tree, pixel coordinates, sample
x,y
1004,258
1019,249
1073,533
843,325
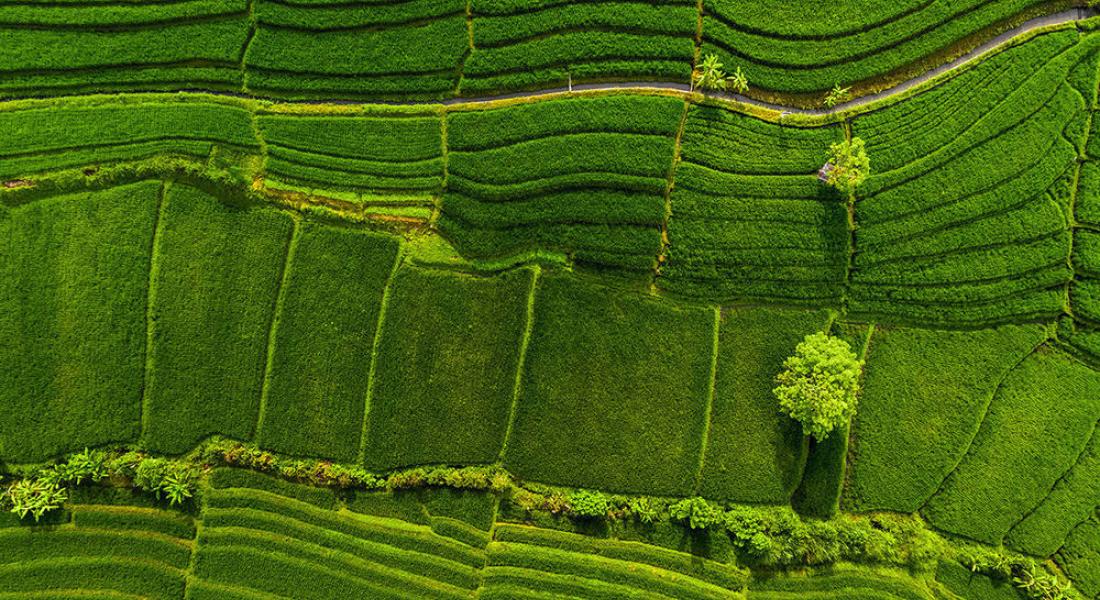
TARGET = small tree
x,y
850,165
819,385
588,504
696,513
837,95
709,75
738,81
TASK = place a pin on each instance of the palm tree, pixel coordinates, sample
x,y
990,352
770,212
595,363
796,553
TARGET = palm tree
x,y
739,82
709,74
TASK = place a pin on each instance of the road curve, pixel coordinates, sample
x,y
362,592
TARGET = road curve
x,y
1059,18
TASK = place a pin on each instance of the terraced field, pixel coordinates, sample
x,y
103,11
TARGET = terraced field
x,y
341,299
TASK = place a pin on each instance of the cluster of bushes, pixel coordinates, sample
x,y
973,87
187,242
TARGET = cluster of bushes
x,y
763,536
39,491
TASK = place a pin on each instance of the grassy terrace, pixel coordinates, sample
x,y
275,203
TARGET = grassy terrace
x,y
563,292
432,49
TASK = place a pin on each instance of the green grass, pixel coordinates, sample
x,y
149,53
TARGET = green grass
x,y
973,586
749,219
1045,529
217,278
1028,440
73,276
613,390
755,454
907,417
323,339
788,48
818,494
1080,557
446,368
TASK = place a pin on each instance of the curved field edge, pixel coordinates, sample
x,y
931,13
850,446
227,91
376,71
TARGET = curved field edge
x,y
793,109
459,533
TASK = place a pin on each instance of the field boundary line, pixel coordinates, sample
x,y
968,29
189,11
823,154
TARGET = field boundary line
x,y
1013,37
273,326
1072,466
380,324
670,184
981,422
1072,223
851,455
460,71
521,361
709,410
150,300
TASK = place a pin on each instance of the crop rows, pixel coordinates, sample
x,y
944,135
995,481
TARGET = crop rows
x,y
800,53
406,50
104,550
527,562
257,538
79,134
990,244
525,45
841,583
749,219
430,49
74,47
362,153
584,176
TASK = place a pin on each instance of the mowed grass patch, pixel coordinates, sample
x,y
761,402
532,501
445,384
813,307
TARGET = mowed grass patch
x,y
446,369
755,453
217,277
73,277
614,390
1038,424
924,396
323,340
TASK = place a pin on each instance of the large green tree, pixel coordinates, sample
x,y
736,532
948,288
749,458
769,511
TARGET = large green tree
x,y
819,384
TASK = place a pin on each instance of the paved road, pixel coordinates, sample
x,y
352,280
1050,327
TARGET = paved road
x,y
1066,16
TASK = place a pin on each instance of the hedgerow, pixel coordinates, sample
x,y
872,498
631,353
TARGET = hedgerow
x,y
322,341
73,277
607,379
754,453
447,361
985,495
217,279
907,418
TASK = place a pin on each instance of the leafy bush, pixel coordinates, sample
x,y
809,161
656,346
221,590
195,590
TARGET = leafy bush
x,y
819,385
589,504
35,497
850,165
696,513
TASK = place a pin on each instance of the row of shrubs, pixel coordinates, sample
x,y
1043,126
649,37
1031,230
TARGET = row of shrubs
x,y
764,536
